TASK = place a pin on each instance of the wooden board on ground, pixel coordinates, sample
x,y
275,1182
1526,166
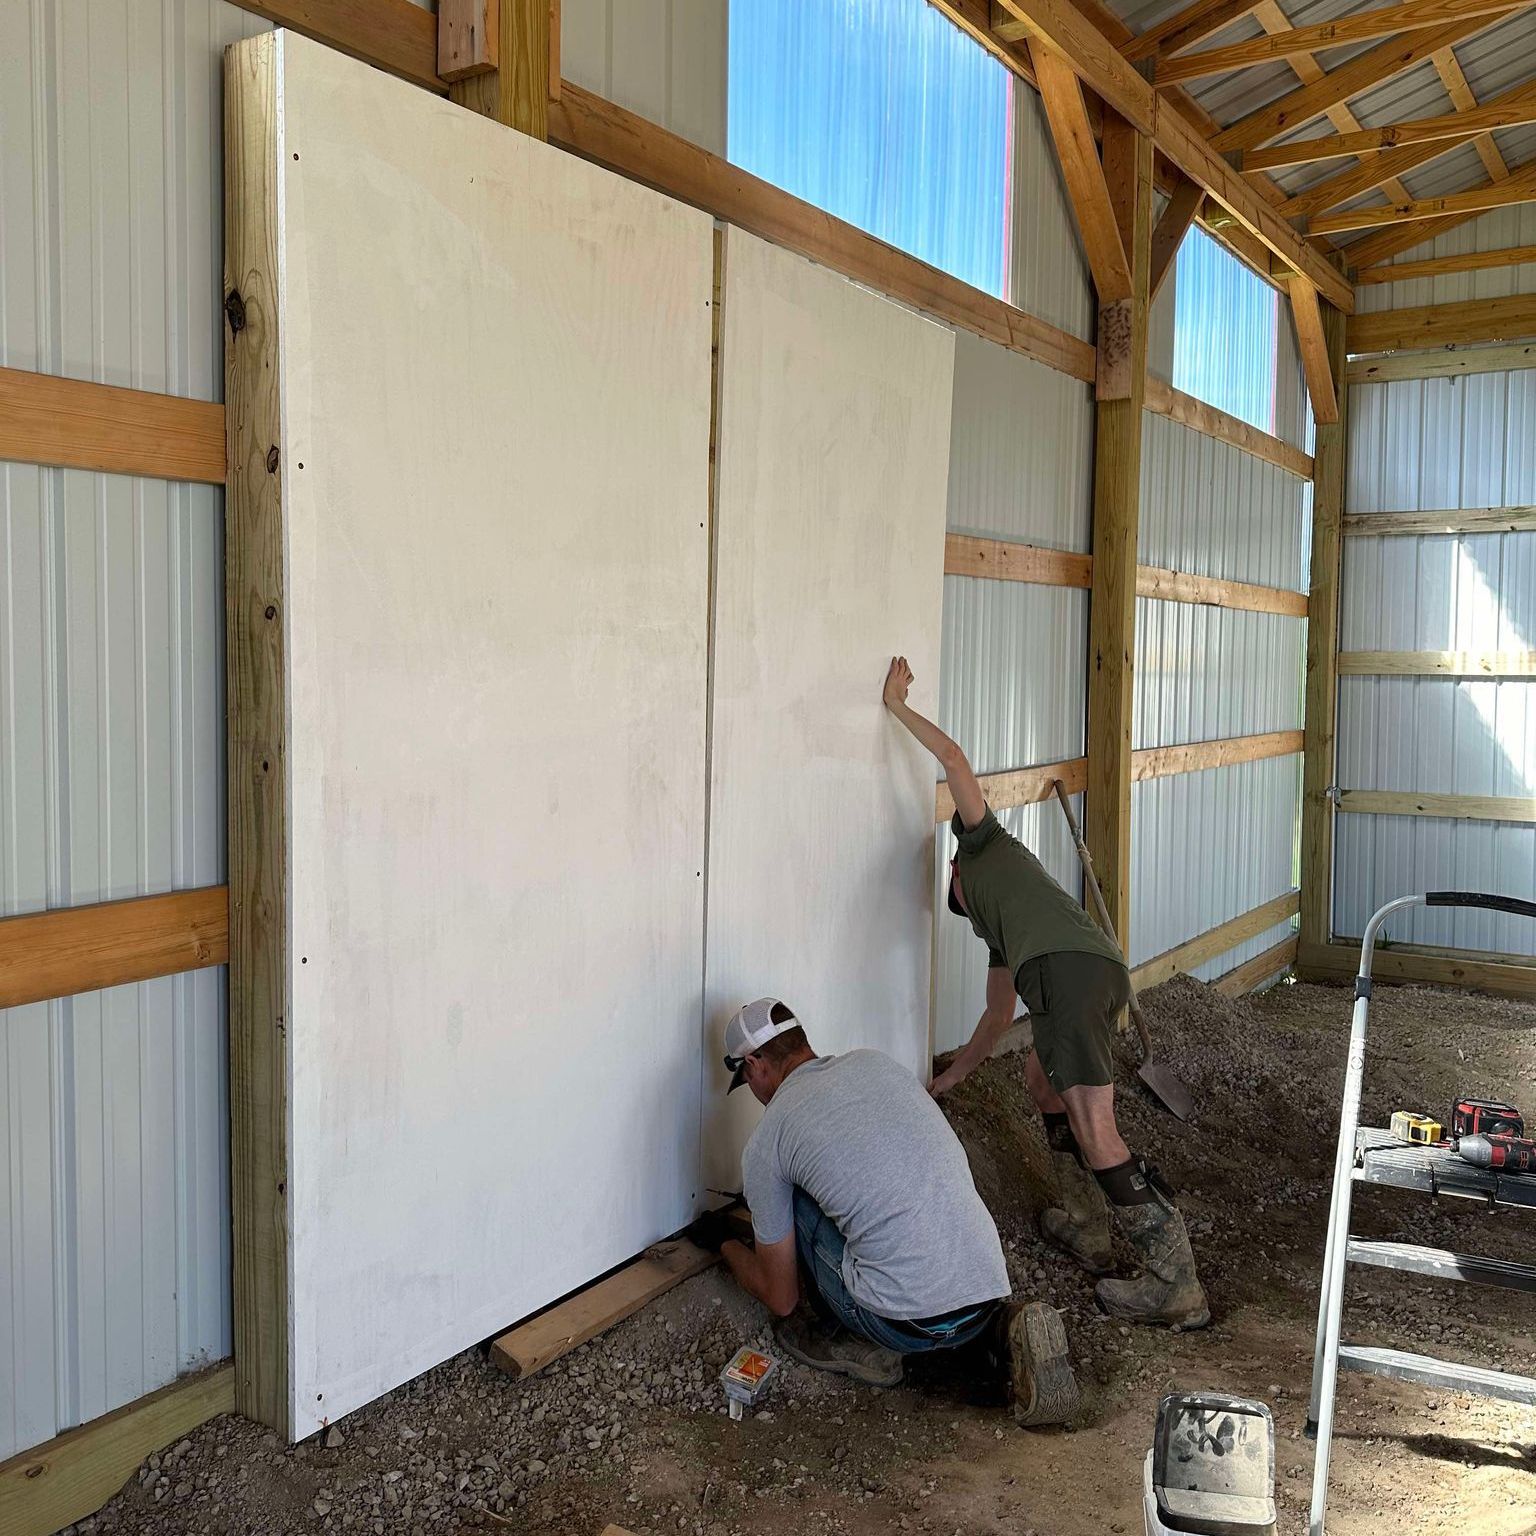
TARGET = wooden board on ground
x,y
494,469
531,1346
52,1485
834,413
1339,961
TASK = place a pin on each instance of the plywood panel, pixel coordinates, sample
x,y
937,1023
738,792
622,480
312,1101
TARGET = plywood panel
x,y
495,462
834,419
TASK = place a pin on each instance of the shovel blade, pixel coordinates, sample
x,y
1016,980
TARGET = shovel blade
x,y
1167,1089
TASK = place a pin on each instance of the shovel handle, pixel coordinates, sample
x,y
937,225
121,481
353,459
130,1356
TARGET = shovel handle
x,y
1092,882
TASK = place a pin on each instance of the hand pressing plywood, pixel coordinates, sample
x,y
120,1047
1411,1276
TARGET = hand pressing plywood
x,y
494,364
833,461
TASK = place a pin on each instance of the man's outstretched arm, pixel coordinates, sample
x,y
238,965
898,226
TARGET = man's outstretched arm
x,y
989,1030
958,774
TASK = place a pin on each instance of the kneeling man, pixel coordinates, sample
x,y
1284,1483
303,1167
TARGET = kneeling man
x,y
863,1204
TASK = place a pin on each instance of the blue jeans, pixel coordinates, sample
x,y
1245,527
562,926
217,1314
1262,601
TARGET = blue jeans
x,y
819,1246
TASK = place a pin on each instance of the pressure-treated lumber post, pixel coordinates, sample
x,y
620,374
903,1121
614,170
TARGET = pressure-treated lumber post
x,y
256,625
1317,812
516,92
1121,390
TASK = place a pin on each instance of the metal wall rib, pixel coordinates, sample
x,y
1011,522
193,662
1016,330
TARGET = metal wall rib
x,y
1205,673
665,59
1418,445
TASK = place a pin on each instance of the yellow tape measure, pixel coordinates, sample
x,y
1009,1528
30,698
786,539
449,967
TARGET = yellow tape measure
x,y
1418,1130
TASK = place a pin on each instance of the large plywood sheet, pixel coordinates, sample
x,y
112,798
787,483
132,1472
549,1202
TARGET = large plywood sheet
x,y
496,384
833,462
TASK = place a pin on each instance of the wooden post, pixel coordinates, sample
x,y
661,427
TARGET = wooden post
x,y
517,91
1122,368
1317,811
256,626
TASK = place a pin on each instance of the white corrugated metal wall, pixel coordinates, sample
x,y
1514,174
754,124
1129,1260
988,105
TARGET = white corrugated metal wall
x,y
1423,445
1202,673
665,59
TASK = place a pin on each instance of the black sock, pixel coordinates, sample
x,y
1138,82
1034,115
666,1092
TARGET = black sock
x,y
1133,1183
1059,1137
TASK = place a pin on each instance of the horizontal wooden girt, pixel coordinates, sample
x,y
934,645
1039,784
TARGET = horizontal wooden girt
x,y
1441,266
1444,325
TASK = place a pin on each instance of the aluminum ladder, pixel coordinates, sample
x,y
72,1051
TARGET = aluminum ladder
x,y
1371,1156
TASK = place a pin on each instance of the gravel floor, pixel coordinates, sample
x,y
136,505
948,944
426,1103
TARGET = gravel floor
x,y
632,1427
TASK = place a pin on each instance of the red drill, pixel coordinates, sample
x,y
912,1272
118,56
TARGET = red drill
x,y
1506,1154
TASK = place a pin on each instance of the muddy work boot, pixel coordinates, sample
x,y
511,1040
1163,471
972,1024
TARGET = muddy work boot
x,y
1169,1291
827,1347
1080,1224
1039,1368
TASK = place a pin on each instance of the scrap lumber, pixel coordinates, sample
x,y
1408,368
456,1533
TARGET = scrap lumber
x,y
533,1344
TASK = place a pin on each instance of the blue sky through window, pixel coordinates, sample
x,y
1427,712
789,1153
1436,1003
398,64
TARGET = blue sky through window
x,y
1224,332
883,113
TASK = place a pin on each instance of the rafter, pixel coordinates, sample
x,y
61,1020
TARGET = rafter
x,y
1517,189
1387,242
1306,69
1377,170
1388,21
1372,68
1187,28
1422,130
1373,171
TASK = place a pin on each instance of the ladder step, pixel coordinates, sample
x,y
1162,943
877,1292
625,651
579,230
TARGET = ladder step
x,y
1429,1372
1439,1264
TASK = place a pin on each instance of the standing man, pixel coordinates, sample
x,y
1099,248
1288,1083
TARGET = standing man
x,y
1042,946
863,1203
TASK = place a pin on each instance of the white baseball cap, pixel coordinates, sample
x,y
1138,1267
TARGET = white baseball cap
x,y
751,1027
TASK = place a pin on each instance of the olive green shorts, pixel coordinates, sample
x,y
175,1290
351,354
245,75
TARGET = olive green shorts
x,y
1073,1001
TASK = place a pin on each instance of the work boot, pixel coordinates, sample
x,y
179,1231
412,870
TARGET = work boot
x,y
1169,1291
1080,1224
826,1347
1039,1366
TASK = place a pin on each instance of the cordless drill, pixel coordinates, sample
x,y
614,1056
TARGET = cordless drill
x,y
1504,1154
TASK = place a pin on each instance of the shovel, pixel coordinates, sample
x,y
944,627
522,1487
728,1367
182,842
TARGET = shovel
x,y
1166,1088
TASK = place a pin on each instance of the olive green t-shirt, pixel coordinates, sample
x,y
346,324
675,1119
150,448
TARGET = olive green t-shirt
x,y
1015,907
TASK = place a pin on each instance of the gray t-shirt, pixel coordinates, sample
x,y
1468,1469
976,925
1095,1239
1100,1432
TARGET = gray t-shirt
x,y
861,1136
